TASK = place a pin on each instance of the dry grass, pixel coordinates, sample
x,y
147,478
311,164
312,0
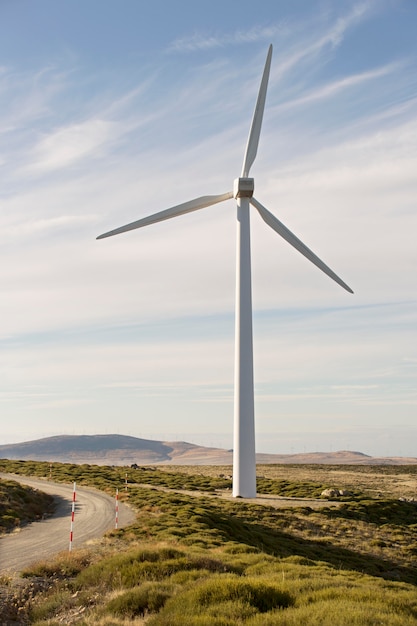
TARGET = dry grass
x,y
390,481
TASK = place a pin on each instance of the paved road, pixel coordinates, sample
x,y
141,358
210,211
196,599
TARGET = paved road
x,y
94,515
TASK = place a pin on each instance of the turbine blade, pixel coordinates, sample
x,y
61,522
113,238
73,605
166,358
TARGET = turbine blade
x,y
179,209
255,131
282,230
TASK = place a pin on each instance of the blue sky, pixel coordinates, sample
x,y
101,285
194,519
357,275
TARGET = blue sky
x,y
112,111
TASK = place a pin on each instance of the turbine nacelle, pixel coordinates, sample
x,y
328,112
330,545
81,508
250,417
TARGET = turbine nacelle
x,y
243,187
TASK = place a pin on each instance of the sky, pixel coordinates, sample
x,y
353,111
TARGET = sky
x,y
113,111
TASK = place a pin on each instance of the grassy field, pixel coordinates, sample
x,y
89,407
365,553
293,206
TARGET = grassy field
x,y
195,558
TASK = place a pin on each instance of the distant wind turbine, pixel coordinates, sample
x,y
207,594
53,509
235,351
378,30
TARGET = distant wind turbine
x,y
244,459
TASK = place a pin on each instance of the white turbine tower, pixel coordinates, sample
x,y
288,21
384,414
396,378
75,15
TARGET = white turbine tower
x,y
244,460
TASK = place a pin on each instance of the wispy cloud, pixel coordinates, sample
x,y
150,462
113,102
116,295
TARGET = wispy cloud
x,y
68,145
200,41
333,35
29,97
319,35
48,226
336,87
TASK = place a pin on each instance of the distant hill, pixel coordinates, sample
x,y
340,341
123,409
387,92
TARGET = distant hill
x,y
112,450
124,450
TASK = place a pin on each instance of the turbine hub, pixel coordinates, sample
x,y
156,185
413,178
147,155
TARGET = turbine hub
x,y
243,187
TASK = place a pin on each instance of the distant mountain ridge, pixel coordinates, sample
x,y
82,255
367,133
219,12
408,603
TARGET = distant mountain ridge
x,y
126,450
110,450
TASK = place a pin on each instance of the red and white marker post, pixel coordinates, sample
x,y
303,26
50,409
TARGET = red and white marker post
x,y
116,524
72,517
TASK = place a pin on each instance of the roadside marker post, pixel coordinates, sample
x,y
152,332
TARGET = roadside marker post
x,y
72,516
117,510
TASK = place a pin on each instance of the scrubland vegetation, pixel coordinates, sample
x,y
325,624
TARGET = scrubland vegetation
x,y
20,504
194,558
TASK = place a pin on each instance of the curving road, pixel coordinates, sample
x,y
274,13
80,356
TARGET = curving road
x,y
94,515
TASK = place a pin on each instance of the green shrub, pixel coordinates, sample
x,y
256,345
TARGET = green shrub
x,y
224,599
378,512
288,488
20,504
148,598
129,569
64,566
51,605
335,613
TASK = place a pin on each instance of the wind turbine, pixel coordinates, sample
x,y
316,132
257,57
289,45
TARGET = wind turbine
x,y
244,460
